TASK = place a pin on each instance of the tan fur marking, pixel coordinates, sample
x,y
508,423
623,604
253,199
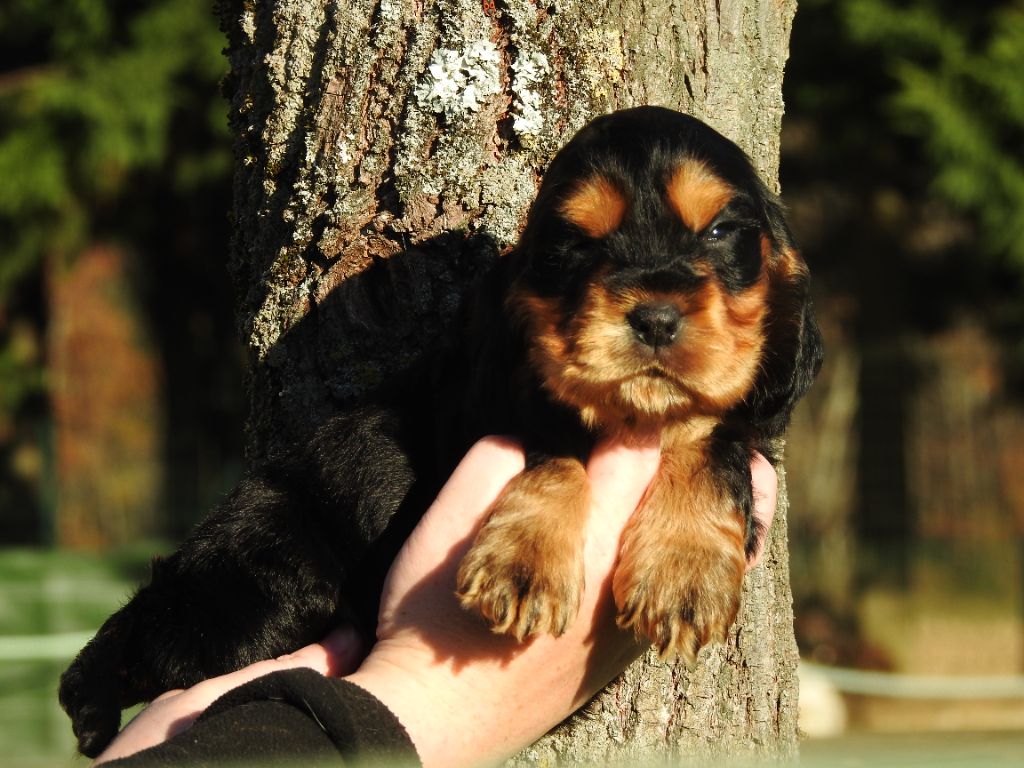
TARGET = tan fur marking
x,y
725,343
597,206
682,560
787,265
594,364
696,194
524,572
788,276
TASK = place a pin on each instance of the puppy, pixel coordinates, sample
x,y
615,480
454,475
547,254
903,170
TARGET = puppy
x,y
655,287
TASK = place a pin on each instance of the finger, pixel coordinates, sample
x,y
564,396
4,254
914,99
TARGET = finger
x,y
346,648
461,505
765,482
337,654
619,476
341,653
481,475
444,533
167,695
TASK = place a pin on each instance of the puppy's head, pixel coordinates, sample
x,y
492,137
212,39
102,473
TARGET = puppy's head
x,y
656,279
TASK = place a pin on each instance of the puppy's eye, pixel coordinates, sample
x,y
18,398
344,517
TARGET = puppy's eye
x,y
721,230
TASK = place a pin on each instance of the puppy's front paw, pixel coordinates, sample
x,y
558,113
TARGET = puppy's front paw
x,y
521,584
681,600
524,573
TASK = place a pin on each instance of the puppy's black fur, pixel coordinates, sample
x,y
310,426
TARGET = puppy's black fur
x,y
602,320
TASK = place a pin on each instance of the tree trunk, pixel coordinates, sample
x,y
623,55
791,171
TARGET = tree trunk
x,y
386,152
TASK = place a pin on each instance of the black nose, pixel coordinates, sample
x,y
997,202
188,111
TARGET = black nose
x,y
656,325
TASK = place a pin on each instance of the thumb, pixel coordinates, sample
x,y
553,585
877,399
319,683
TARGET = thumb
x,y
336,655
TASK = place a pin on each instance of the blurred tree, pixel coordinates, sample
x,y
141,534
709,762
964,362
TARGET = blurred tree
x,y
112,131
911,117
955,70
955,88
89,93
902,165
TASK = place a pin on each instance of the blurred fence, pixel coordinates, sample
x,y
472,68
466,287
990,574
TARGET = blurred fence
x,y
52,602
50,605
42,647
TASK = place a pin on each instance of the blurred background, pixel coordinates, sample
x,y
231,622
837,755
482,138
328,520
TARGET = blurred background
x,y
121,377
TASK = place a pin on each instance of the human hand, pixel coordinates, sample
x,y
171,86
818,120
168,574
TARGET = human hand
x,y
174,711
468,696
766,487
464,694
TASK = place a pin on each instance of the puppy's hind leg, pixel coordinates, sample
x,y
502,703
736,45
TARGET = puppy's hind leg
x,y
91,688
254,580
259,577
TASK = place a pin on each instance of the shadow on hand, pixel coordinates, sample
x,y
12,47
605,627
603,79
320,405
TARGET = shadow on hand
x,y
431,612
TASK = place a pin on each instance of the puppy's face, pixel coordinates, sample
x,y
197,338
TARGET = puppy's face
x,y
654,264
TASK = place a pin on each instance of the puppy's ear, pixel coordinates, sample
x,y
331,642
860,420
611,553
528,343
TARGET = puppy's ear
x,y
793,350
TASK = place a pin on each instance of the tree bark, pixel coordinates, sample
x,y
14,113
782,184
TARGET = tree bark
x,y
386,152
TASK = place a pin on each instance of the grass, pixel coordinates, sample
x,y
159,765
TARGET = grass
x,y
915,750
47,593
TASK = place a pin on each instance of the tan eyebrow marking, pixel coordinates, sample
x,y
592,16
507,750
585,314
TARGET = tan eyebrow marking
x,y
697,194
597,206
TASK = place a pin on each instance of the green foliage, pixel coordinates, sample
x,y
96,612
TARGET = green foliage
x,y
957,72
91,99
19,369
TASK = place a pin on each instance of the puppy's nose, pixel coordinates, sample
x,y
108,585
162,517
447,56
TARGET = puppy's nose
x,y
656,325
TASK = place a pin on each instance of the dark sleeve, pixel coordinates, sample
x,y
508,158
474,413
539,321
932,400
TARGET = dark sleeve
x,y
295,716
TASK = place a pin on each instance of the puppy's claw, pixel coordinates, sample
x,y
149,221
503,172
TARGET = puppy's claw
x,y
515,597
672,634
680,610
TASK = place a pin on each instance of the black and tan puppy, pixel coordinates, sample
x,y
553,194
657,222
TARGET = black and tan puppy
x,y
655,287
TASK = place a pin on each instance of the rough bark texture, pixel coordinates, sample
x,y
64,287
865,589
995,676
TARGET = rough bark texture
x,y
365,203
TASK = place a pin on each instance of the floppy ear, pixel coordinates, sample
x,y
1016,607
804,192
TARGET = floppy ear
x,y
793,349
